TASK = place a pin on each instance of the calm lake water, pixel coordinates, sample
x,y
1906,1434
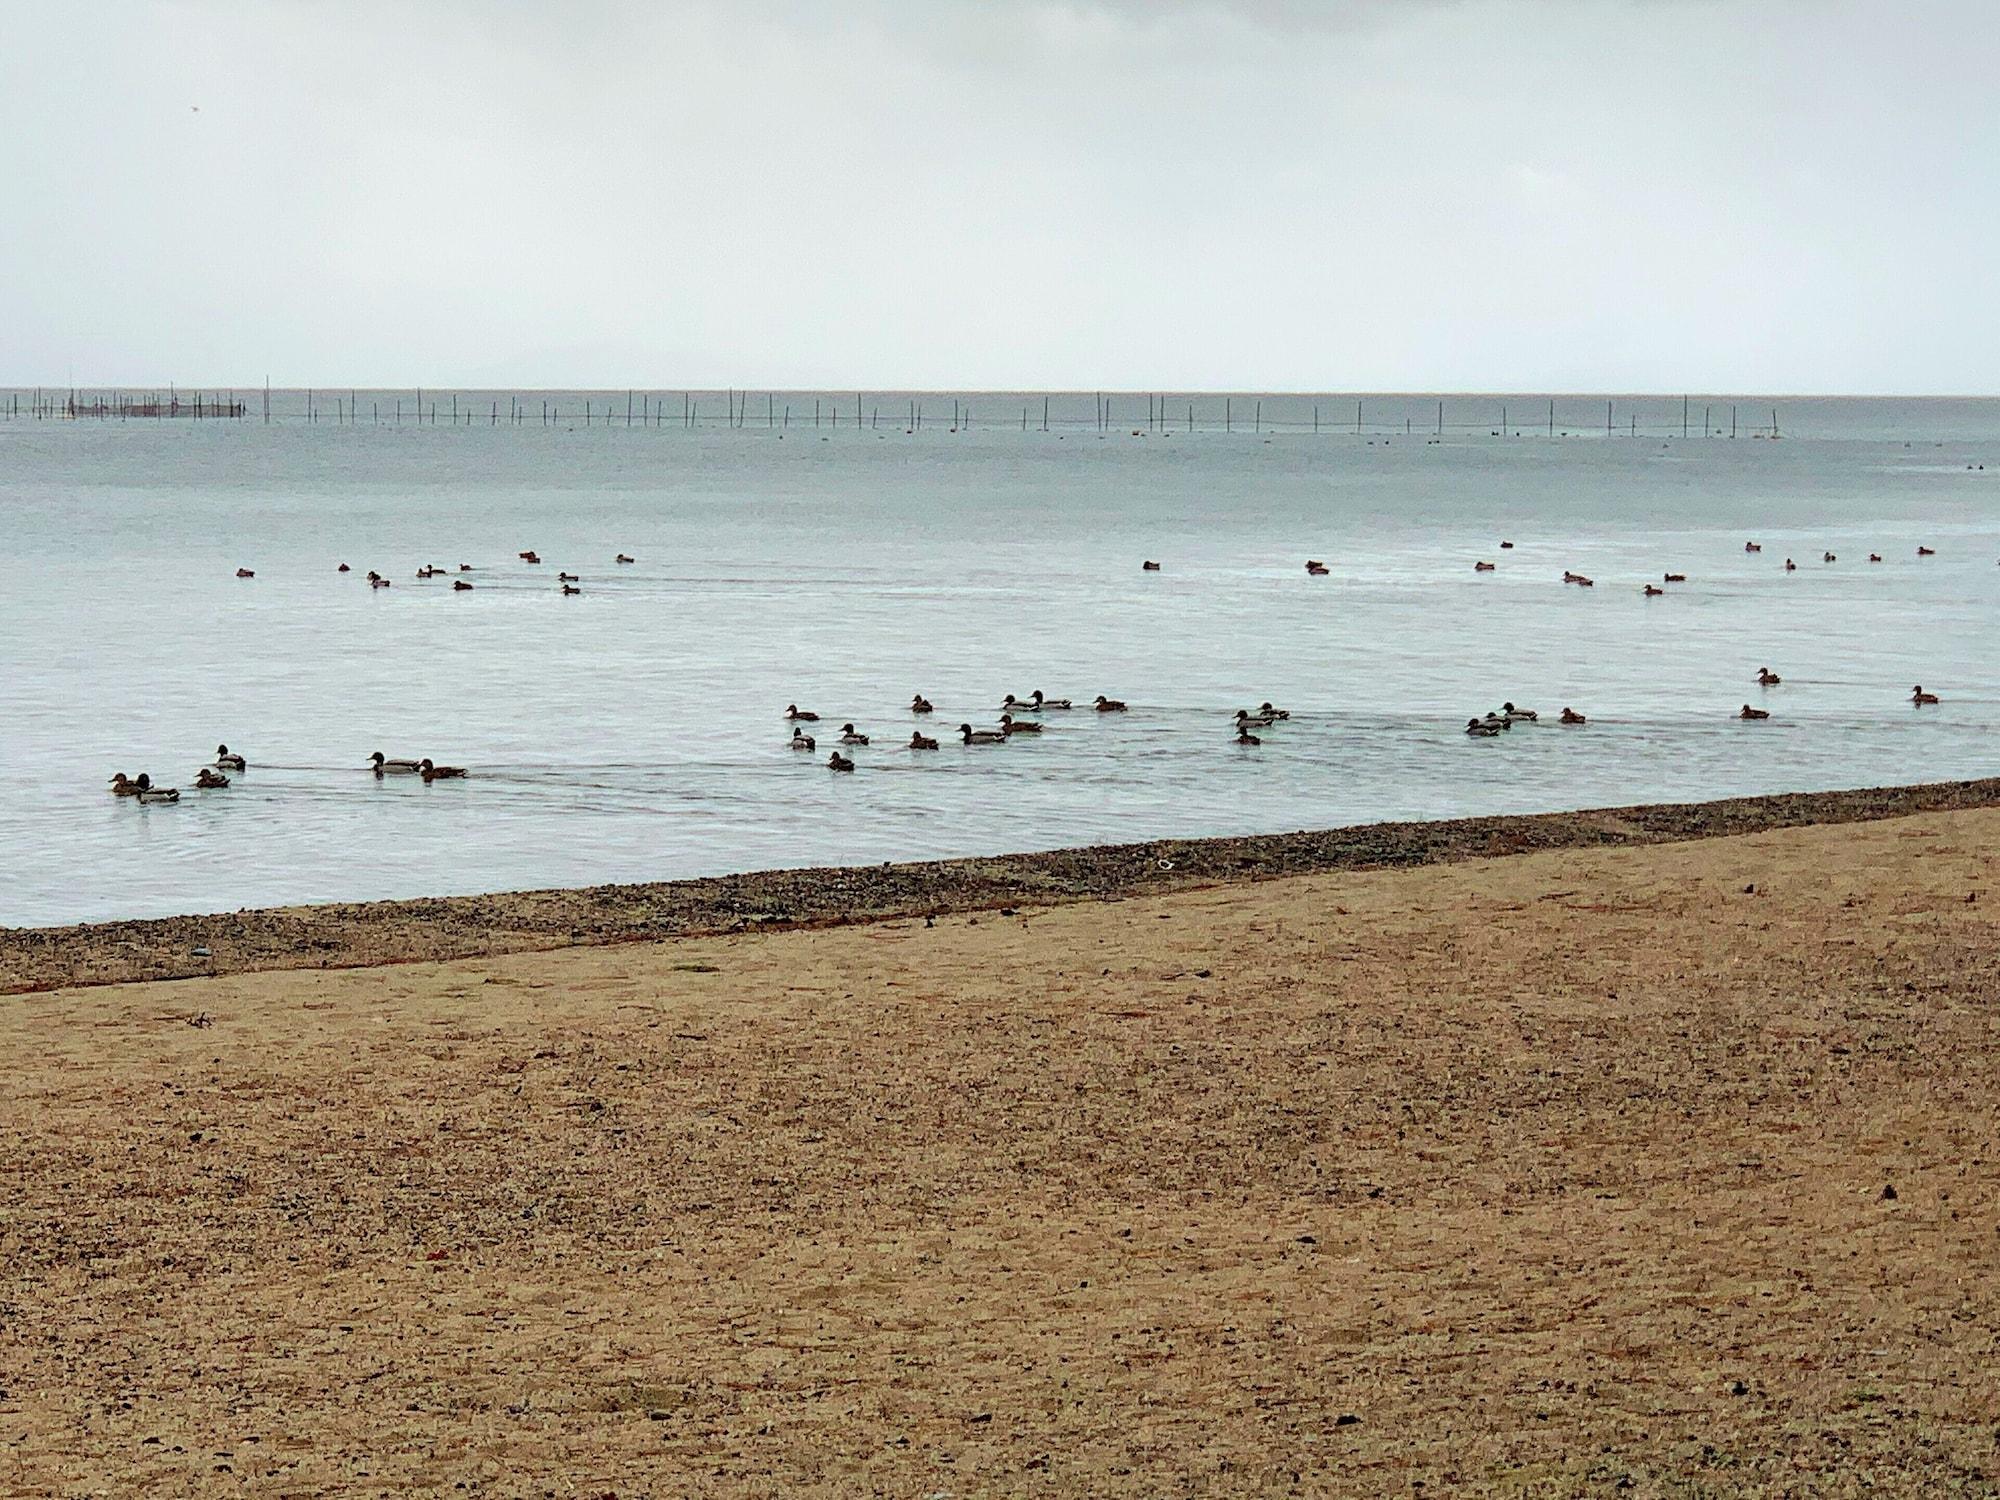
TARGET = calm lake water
x,y
633,732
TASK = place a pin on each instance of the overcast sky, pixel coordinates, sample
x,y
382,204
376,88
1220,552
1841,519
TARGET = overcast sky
x,y
1250,194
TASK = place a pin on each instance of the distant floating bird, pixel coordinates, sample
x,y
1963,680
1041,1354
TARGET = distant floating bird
x,y
802,741
921,741
793,711
1753,713
838,762
209,780
438,773
623,558
387,767
849,736
1483,567
973,736
1106,705
1481,729
245,573
1571,716
226,760
1149,566
1919,697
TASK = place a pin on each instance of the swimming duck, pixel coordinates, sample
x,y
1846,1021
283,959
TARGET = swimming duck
x,y
1269,711
1676,578
385,767
1041,703
919,741
1752,547
1514,714
1767,678
528,557
1498,721
428,572
465,567
919,704
229,762
1926,552
1506,546
1480,729
567,578
1315,568
459,585
973,736
1754,713
208,780
150,793
838,762
1790,566
1245,737
245,573
123,785
569,589
378,583
1919,697
1149,566
849,737
1828,557
802,741
373,575
1578,578
1874,557
1653,591
1106,705
1571,716
1010,703
1245,719
624,559
343,568
793,711
1484,567
1011,725
438,773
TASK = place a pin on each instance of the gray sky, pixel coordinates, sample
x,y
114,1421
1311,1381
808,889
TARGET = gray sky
x,y
1781,195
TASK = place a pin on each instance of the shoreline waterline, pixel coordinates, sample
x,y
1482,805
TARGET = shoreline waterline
x,y
369,934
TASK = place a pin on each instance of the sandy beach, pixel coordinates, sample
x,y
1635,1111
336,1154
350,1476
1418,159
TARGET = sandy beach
x,y
1659,1169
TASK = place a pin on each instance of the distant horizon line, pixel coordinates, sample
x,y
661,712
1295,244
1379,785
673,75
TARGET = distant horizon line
x,y
1197,393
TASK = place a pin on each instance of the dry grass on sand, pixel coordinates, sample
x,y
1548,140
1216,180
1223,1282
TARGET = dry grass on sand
x,y
1555,1174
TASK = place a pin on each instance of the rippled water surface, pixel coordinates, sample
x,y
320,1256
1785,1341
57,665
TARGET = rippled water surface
x,y
633,731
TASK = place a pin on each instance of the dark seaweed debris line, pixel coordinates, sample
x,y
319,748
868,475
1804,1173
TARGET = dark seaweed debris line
x,y
354,935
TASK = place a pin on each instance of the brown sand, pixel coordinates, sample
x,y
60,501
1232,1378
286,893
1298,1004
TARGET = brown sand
x,y
1556,1174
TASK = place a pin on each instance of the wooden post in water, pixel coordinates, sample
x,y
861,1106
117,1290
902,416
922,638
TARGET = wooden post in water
x,y
1045,413
1732,419
1440,431
1315,419
1357,419
1607,419
1552,417
1684,416
1228,414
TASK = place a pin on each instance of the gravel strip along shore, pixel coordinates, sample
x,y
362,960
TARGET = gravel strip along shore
x,y
360,934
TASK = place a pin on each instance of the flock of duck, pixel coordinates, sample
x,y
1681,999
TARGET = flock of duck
x,y
1018,716
210,778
